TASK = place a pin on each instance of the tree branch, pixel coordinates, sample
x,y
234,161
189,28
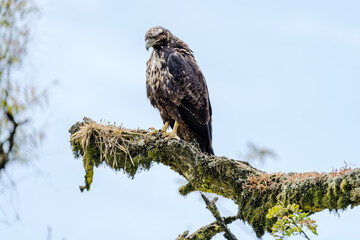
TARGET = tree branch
x,y
4,154
215,212
253,190
208,231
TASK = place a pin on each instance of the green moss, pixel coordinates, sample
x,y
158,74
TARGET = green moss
x,y
206,235
88,163
318,196
343,202
258,221
76,149
186,189
254,191
153,153
344,185
253,207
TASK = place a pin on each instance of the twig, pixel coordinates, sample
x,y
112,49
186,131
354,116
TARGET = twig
x,y
215,212
4,155
208,231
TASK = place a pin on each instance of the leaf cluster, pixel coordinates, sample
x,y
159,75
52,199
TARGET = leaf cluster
x,y
291,220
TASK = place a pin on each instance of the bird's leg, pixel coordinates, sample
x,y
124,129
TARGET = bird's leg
x,y
164,128
172,134
154,131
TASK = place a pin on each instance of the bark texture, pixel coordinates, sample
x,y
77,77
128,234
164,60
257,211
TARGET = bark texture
x,y
253,190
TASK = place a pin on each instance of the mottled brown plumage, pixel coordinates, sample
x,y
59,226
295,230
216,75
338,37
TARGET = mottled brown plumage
x,y
177,88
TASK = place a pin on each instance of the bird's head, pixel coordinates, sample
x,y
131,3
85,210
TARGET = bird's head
x,y
156,37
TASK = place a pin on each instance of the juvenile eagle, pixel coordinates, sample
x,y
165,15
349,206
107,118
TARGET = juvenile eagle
x,y
177,88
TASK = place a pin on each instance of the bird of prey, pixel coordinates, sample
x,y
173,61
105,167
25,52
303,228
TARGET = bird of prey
x,y
176,86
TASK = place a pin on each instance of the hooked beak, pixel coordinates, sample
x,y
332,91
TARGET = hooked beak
x,y
149,43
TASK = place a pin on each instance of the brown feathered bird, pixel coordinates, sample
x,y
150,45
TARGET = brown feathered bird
x,y
176,86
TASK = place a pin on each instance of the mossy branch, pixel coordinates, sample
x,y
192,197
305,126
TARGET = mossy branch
x,y
253,190
208,231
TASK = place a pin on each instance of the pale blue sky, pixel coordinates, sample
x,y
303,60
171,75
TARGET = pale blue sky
x,y
282,74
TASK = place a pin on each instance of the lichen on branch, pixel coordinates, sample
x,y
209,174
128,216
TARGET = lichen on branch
x,y
253,190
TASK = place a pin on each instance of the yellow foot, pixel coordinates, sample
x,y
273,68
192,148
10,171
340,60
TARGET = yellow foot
x,y
172,134
154,131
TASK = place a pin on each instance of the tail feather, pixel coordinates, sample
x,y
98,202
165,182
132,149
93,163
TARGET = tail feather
x,y
206,148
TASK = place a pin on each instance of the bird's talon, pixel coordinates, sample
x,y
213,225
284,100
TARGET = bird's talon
x,y
171,135
152,131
